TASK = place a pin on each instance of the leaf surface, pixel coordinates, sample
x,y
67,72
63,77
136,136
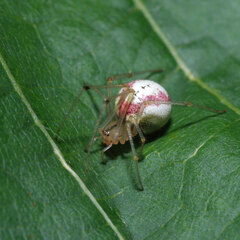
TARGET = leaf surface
x,y
190,170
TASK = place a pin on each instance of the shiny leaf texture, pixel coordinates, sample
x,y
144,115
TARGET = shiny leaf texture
x,y
190,170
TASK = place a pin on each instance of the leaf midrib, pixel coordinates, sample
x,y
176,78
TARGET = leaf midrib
x,y
56,150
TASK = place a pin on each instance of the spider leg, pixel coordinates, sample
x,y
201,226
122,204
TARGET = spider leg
x,y
103,151
112,113
135,158
94,140
86,88
143,140
185,104
109,118
68,113
119,125
189,104
131,74
128,94
94,133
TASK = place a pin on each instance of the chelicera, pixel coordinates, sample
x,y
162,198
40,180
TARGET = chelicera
x,y
141,107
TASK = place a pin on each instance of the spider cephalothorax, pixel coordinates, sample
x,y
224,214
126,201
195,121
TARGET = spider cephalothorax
x,y
109,132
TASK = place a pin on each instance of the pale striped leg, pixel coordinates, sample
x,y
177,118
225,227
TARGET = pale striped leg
x,y
135,158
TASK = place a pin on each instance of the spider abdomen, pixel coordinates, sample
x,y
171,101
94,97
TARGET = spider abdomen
x,y
155,112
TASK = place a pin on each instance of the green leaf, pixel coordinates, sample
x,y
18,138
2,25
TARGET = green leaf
x,y
191,169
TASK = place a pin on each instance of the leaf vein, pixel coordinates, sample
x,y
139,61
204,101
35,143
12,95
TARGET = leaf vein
x,y
229,223
195,153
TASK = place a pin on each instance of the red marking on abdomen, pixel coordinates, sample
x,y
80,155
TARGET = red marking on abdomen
x,y
131,84
133,108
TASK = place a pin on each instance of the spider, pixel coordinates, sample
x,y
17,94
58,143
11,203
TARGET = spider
x,y
141,107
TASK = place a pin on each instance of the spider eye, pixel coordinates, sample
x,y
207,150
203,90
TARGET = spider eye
x,y
106,132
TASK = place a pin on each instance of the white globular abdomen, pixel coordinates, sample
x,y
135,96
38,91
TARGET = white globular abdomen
x,y
156,111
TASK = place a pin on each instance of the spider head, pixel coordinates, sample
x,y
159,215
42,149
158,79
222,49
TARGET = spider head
x,y
112,134
108,133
